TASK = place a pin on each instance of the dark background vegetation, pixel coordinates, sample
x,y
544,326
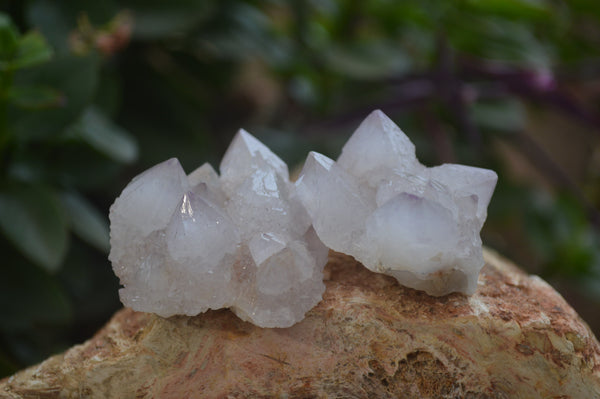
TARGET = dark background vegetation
x,y
93,92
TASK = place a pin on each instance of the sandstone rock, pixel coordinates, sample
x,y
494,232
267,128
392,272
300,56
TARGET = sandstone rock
x,y
368,338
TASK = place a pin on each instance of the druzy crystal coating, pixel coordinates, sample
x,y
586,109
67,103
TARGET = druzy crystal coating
x,y
379,204
242,240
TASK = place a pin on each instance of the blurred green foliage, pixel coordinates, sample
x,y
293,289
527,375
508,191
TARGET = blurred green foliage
x,y
93,92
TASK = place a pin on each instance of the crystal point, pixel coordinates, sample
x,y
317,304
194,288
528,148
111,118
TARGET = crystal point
x,y
245,155
468,180
377,145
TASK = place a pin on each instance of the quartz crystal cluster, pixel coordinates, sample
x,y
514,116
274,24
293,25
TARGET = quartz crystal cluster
x,y
379,204
252,241
184,244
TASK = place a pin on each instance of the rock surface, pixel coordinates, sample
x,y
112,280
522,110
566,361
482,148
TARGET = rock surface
x,y
368,338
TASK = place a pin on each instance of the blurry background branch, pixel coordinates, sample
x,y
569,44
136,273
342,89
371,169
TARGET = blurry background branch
x,y
92,93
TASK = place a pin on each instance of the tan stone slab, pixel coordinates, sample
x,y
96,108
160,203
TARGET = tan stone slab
x,y
368,338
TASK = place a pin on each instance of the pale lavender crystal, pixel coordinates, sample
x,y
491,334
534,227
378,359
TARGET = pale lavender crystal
x,y
396,216
185,244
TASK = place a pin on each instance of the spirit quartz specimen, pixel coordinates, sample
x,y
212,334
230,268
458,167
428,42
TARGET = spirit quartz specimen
x,y
243,240
379,204
185,244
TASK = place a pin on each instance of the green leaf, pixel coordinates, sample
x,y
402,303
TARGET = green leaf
x,y
35,97
108,97
74,77
31,217
514,9
29,295
32,50
81,166
86,221
102,134
52,20
368,60
504,116
245,31
8,40
500,39
57,20
155,19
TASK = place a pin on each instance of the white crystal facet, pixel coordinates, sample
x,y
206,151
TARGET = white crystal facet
x,y
396,216
334,202
380,146
247,155
185,244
